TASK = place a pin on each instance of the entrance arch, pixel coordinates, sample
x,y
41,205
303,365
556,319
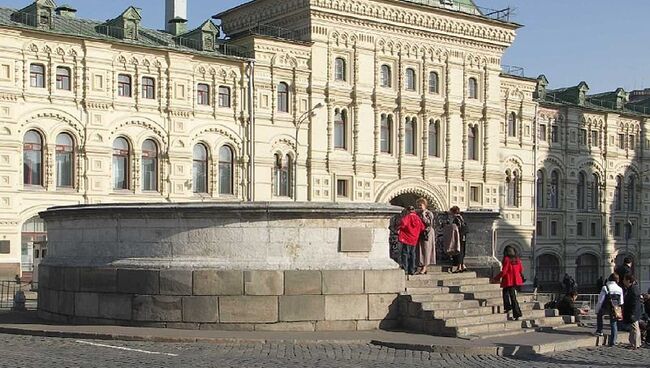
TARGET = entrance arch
x,y
405,192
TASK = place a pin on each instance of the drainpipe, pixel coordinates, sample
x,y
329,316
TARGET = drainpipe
x,y
251,130
535,194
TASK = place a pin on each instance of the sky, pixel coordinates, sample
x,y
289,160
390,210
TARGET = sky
x,y
599,41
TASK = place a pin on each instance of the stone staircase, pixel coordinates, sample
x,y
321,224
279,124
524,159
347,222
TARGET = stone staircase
x,y
466,306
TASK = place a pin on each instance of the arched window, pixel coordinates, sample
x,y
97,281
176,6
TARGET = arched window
x,y
472,143
512,189
32,158
434,134
200,169
554,190
339,69
226,170
64,161
631,194
283,175
37,75
121,160
149,163
283,97
581,191
540,189
618,194
386,133
409,82
472,88
340,129
203,94
386,77
587,270
548,270
410,136
512,125
433,83
595,193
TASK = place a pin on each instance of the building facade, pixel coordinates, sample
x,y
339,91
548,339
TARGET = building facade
x,y
307,100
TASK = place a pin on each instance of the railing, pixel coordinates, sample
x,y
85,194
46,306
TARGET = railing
x,y
588,300
513,70
273,31
496,14
8,290
551,97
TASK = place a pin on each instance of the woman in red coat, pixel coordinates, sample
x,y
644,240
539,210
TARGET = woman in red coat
x,y
511,278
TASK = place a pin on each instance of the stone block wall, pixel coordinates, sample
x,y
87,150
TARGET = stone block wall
x,y
223,299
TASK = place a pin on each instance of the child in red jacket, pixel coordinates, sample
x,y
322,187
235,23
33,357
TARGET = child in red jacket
x,y
409,232
511,278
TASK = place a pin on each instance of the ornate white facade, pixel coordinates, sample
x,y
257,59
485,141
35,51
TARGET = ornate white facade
x,y
392,100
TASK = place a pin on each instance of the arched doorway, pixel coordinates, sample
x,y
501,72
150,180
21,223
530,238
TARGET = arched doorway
x,y
409,198
587,272
33,247
548,272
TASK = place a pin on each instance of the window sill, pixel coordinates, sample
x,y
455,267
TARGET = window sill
x,y
34,188
122,191
66,189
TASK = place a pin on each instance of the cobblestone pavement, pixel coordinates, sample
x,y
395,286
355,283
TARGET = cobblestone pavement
x,y
25,351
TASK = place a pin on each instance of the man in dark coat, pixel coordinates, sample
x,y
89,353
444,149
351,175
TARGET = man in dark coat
x,y
632,309
624,269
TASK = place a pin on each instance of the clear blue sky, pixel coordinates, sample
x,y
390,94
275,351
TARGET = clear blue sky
x,y
599,41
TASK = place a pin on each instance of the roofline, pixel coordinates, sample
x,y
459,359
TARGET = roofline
x,y
527,79
268,37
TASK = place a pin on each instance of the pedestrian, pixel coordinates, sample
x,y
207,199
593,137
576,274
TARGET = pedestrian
x,y
458,260
569,284
393,238
410,229
624,269
632,310
511,278
426,250
567,305
609,299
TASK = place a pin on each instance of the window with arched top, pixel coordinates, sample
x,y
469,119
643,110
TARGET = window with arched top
x,y
283,172
472,143
203,94
472,88
539,189
283,97
434,138
587,270
226,170
33,158
340,129
512,125
410,80
631,194
64,161
595,192
618,194
121,160
224,96
512,189
554,190
386,143
339,69
434,84
410,136
385,76
149,163
200,169
581,191
148,88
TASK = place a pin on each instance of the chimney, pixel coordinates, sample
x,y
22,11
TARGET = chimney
x,y
66,11
175,10
177,26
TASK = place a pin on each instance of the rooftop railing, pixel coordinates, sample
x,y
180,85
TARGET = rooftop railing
x,y
503,15
273,31
513,70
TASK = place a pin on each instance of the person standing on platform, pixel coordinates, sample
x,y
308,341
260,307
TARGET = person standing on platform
x,y
426,251
511,278
459,258
410,230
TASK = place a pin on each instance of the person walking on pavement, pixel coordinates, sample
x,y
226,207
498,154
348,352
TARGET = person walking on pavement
x,y
410,229
632,310
511,278
426,250
610,295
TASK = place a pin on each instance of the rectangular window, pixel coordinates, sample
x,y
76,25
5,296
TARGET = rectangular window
x,y
592,230
224,96
5,247
37,75
553,228
539,228
342,188
148,88
63,78
631,142
475,194
621,141
542,132
555,134
580,229
595,142
203,94
124,85
617,229
583,136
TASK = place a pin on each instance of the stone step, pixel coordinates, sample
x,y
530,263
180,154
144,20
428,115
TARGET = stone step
x,y
429,297
413,289
424,283
540,313
443,276
489,335
474,320
462,282
472,288
431,306
546,322
530,306
486,327
455,313
498,302
484,295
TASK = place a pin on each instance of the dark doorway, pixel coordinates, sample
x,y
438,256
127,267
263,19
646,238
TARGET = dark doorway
x,y
405,200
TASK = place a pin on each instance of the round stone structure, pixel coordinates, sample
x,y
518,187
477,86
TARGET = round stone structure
x,y
237,266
